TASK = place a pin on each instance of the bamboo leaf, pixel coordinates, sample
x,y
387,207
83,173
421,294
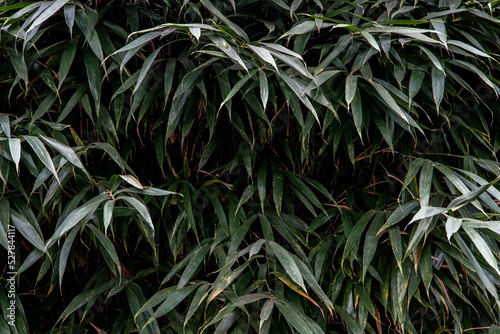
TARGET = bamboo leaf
x,y
66,151
195,261
433,58
438,81
261,184
351,84
66,61
225,47
107,213
264,55
370,40
75,216
15,151
452,226
138,43
25,228
224,19
47,13
94,76
145,69
140,207
286,260
427,211
401,212
130,179
236,88
425,183
65,250
42,154
355,234
108,246
416,80
264,89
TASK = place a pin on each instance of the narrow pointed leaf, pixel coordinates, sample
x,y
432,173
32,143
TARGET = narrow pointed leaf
x,y
42,153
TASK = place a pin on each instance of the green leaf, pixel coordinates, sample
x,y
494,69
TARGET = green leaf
x,y
265,313
42,153
349,320
452,226
264,89
75,216
261,184
433,58
47,13
249,191
198,298
66,61
425,266
401,212
107,213
396,243
302,323
277,189
17,59
224,19
112,152
301,28
63,257
66,151
416,80
225,47
477,267
341,45
188,207
425,183
300,93
286,260
469,48
140,207
84,297
72,102
5,124
15,151
24,227
145,69
354,236
386,96
294,63
150,191
357,113
351,85
130,179
427,211
474,69
94,76
138,43
467,198
69,17
312,282
108,246
168,78
264,55
195,261
371,242
205,244
370,40
483,247
236,88
438,81
43,107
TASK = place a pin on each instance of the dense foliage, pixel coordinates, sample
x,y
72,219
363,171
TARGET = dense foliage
x,y
254,166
